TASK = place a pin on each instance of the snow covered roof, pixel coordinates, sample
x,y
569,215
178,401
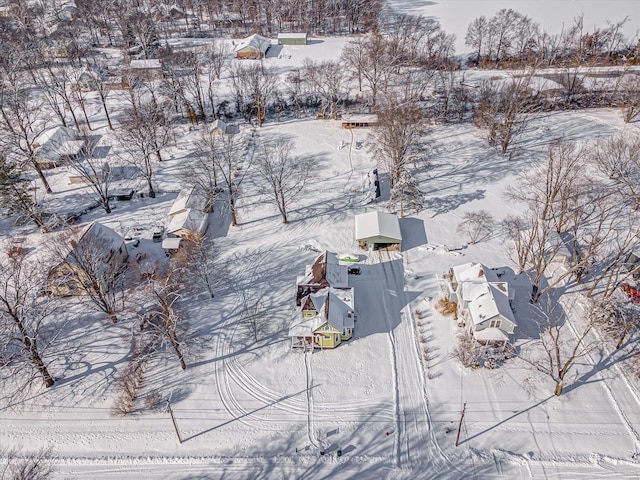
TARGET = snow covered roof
x,y
193,220
171,243
292,35
490,302
55,141
97,237
255,42
334,305
187,199
219,125
326,270
150,63
474,272
377,224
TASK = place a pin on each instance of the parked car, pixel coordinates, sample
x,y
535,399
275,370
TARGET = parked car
x,y
353,270
158,233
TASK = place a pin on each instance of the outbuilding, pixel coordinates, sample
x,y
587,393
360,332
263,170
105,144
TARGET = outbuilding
x,y
253,47
292,39
378,230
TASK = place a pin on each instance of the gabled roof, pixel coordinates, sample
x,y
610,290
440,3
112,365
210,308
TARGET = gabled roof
x,y
334,306
490,302
325,271
188,199
293,35
97,238
255,42
150,63
190,219
55,142
219,124
377,224
474,272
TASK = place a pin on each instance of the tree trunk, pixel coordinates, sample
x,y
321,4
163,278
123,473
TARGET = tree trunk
x,y
176,347
558,390
43,179
106,112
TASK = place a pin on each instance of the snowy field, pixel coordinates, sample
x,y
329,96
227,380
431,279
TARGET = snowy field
x,y
248,410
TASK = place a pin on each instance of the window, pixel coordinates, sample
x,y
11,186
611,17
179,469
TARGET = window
x,y
495,323
335,338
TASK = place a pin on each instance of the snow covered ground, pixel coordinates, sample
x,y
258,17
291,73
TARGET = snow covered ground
x,y
259,410
248,410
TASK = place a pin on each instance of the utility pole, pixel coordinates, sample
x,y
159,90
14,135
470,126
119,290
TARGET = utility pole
x,y
175,425
460,424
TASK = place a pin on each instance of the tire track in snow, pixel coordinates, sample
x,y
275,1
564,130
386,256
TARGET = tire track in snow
x,y
309,374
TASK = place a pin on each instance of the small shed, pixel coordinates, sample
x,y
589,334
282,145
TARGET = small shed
x,y
359,120
189,223
149,69
378,230
253,47
292,39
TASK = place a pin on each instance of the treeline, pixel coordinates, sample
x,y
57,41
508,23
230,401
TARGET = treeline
x,y
127,23
510,39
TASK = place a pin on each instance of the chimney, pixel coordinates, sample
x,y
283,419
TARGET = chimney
x,y
480,273
74,244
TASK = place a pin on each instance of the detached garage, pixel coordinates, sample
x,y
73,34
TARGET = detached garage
x,y
378,230
292,39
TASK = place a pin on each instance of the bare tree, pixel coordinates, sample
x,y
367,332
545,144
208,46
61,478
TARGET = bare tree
x,y
502,109
163,316
476,225
553,192
24,319
631,99
197,254
255,320
220,163
615,316
23,119
395,140
326,79
253,87
91,265
146,130
96,173
21,465
285,175
561,346
618,159
478,36
405,195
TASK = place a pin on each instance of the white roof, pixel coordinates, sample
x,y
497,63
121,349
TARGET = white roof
x,y
188,199
336,274
256,42
53,142
338,311
474,272
192,220
219,124
147,63
96,239
292,35
171,243
489,303
374,224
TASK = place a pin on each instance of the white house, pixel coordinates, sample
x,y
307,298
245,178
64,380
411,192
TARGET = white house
x,y
188,223
483,301
378,230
